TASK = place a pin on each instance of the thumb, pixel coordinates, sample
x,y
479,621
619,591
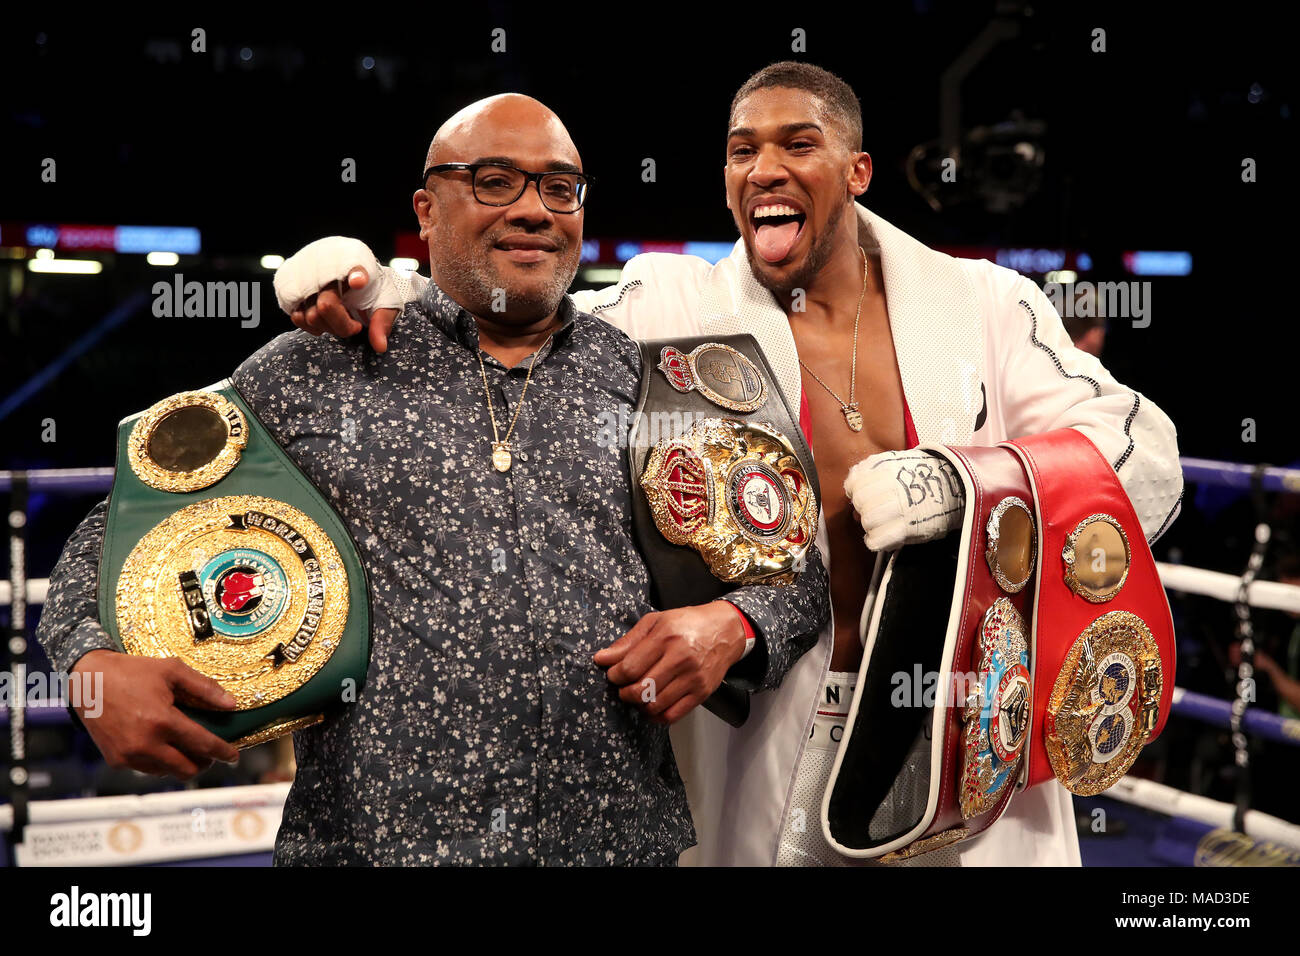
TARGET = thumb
x,y
200,690
381,324
358,278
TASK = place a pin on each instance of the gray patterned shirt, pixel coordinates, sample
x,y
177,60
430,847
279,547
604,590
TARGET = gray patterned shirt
x,y
484,733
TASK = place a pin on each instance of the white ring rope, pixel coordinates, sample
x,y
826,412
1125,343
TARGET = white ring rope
x,y
1177,803
148,805
1272,595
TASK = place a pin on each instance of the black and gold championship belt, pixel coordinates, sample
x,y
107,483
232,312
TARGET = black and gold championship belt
x,y
220,552
726,493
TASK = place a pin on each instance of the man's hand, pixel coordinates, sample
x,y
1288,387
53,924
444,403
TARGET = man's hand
x,y
140,726
672,661
336,285
905,497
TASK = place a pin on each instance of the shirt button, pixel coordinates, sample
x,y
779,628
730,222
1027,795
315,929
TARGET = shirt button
x,y
536,545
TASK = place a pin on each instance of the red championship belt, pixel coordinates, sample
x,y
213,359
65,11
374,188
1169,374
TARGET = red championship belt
x,y
1103,649
1041,637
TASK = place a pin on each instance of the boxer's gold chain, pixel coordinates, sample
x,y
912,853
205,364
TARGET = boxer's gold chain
x,y
852,417
501,457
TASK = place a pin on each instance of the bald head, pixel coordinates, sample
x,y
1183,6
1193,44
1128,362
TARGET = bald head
x,y
479,249
490,126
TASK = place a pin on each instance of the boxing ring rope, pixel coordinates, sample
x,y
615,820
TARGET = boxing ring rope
x,y
133,806
1212,710
230,823
1173,802
1240,590
1269,595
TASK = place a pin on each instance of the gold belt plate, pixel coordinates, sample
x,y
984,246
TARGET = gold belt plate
x,y
737,494
245,589
1104,703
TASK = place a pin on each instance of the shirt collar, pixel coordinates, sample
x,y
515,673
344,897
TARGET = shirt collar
x,y
457,323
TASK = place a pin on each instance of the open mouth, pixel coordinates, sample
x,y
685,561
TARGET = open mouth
x,y
777,227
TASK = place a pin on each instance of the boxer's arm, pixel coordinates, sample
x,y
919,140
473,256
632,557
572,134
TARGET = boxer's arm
x,y
1044,383
336,285
786,621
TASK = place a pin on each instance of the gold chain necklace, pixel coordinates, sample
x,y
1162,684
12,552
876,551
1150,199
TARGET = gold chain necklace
x,y
501,457
850,408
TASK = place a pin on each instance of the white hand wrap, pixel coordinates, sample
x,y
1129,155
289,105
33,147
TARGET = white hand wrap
x,y
320,264
905,497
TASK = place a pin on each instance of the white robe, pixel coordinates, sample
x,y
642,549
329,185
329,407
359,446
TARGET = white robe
x,y
956,323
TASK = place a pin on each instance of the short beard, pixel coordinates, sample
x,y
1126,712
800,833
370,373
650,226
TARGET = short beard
x,y
472,277
818,256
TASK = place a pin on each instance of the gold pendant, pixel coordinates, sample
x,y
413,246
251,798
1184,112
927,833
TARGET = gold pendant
x,y
853,416
501,457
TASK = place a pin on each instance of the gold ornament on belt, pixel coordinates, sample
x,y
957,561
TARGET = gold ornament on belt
x,y
737,494
1105,703
996,713
929,844
1097,558
245,589
187,442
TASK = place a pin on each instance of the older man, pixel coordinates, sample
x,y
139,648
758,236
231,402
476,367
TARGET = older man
x,y
890,344
495,530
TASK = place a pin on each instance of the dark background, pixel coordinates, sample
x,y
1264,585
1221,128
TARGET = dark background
x,y
1144,146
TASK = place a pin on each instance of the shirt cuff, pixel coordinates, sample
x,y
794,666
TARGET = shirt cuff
x,y
86,637
749,631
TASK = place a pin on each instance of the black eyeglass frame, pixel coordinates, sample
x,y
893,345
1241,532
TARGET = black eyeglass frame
x,y
473,168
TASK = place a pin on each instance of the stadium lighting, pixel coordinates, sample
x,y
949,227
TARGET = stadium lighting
x,y
599,274
66,266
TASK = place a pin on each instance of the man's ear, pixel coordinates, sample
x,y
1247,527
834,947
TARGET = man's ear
x,y
860,174
425,211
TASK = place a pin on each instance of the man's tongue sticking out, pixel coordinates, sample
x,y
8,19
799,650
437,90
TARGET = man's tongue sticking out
x,y
774,242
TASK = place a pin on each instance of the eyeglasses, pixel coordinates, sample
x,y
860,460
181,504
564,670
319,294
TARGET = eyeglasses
x,y
497,185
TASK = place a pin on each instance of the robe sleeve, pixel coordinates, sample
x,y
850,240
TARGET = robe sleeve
x,y
1043,383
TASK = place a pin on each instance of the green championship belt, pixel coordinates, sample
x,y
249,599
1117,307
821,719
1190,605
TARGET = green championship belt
x,y
220,552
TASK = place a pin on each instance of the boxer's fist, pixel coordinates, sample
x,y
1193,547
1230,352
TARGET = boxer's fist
x,y
336,285
905,497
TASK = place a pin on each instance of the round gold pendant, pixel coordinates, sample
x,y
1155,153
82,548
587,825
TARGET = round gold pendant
x,y
501,458
854,418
